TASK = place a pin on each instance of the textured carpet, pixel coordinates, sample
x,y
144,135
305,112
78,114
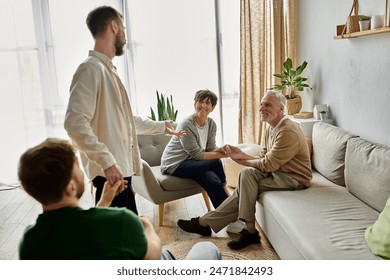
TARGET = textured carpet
x,y
262,251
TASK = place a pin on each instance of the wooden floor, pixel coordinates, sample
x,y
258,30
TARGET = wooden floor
x,y
18,210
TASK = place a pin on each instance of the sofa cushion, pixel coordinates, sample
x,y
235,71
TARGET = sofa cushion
x,y
367,172
151,147
378,235
329,145
172,183
325,223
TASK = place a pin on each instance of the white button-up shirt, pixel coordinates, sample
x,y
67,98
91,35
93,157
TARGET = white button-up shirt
x,y
100,122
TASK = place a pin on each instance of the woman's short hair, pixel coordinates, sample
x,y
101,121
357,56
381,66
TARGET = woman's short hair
x,y
45,170
204,94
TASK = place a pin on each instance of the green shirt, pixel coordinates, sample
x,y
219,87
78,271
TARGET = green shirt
x,y
78,234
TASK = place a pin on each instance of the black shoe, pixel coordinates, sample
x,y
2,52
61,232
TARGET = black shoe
x,y
193,226
244,239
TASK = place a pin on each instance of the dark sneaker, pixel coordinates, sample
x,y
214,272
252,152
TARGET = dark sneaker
x,y
244,239
193,226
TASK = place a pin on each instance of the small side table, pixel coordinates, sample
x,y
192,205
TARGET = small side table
x,y
307,124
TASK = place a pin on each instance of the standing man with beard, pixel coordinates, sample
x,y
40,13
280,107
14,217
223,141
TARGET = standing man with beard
x,y
99,118
283,165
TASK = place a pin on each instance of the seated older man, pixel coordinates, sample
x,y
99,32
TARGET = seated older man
x,y
283,164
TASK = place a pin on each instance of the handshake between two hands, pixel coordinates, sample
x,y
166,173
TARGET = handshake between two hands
x,y
235,154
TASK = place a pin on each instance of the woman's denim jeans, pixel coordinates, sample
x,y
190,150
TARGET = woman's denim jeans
x,y
209,174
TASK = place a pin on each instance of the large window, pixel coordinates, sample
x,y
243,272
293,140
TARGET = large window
x,y
174,46
72,39
229,12
22,112
176,50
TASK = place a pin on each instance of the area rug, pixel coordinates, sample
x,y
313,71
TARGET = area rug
x,y
253,252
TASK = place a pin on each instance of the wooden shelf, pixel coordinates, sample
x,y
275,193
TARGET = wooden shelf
x,y
363,33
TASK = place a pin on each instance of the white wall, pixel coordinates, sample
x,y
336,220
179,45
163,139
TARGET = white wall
x,y
350,75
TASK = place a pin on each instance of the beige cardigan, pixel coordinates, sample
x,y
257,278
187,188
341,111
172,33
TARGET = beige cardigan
x,y
286,150
100,122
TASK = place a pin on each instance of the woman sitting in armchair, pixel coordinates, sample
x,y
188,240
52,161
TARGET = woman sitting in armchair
x,y
196,155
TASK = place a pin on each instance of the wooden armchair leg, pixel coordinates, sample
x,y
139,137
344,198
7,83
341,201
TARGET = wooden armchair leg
x,y
206,200
160,214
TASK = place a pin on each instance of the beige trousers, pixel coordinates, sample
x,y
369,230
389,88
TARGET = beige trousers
x,y
242,203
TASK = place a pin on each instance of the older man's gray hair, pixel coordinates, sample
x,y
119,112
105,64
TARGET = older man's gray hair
x,y
279,96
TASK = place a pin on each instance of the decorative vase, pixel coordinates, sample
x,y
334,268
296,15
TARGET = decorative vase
x,y
293,105
377,21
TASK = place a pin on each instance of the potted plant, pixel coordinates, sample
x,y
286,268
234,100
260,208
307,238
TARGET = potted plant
x,y
291,83
323,115
165,108
364,22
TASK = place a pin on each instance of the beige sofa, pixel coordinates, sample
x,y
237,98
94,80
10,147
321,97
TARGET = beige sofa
x,y
350,187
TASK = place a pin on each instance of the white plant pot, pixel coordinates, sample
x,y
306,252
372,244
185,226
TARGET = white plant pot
x,y
364,25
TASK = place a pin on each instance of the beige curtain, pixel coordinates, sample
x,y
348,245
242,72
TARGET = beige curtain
x,y
268,37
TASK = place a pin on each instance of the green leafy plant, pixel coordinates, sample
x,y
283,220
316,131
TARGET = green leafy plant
x,y
363,18
165,108
291,79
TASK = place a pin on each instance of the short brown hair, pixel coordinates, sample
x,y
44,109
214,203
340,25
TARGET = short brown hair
x,y
99,18
203,94
46,169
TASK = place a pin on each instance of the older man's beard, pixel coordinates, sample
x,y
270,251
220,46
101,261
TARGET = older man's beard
x,y
263,117
119,46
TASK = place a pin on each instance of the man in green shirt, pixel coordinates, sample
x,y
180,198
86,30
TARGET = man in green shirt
x,y
50,173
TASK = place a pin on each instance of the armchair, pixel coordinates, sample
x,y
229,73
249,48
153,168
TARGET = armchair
x,y
161,188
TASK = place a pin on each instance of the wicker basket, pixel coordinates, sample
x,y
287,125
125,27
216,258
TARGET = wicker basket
x,y
352,24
